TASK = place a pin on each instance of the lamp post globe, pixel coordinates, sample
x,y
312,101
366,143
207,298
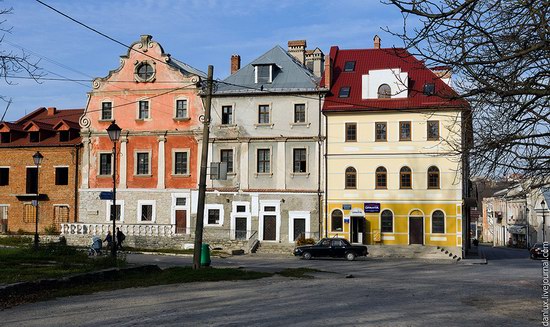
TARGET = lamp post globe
x,y
37,158
114,134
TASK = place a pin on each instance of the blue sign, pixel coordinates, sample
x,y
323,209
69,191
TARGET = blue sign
x,y
346,206
106,195
346,220
372,207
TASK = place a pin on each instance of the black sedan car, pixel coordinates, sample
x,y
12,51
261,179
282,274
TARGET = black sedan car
x,y
331,247
538,251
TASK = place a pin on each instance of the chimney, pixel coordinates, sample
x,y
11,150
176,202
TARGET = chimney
x,y
377,42
235,63
51,111
328,72
297,49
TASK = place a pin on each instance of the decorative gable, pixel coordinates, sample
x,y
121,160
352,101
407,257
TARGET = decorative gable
x,y
397,81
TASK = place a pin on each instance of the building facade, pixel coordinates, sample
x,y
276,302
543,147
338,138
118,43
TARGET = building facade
x,y
266,127
55,134
154,99
392,175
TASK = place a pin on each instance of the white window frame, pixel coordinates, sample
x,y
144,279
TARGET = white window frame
x,y
392,221
185,207
270,73
7,207
108,210
188,161
444,222
176,108
99,163
276,213
292,215
234,215
112,110
148,109
232,105
270,173
149,168
257,121
140,203
307,172
306,122
213,206
232,157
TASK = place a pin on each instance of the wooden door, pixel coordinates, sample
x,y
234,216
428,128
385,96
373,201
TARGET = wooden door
x,y
270,228
181,221
416,230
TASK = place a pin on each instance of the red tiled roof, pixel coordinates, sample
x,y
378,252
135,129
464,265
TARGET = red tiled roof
x,y
375,59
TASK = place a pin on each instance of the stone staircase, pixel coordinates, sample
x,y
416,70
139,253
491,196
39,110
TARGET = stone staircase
x,y
414,251
275,248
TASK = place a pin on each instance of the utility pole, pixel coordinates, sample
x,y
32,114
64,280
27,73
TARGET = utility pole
x,y
204,165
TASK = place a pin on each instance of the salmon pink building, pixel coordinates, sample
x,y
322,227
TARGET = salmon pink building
x,y
155,100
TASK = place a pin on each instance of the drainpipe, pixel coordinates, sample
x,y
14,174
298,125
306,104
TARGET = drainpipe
x,y
320,146
326,176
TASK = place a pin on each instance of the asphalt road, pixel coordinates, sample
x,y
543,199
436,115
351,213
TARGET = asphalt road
x,y
382,292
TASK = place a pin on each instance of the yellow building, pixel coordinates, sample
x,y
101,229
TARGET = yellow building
x,y
393,138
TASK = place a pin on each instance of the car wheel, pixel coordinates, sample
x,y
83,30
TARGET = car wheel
x,y
306,255
350,256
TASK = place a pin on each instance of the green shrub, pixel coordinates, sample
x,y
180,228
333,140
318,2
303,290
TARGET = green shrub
x,y
51,230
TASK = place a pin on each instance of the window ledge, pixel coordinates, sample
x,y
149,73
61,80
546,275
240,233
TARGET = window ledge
x,y
143,119
292,125
299,175
181,175
263,174
106,120
181,118
270,125
143,175
227,126
105,176
213,225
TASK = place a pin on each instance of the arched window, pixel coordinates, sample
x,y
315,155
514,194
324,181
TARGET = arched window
x,y
433,177
438,222
337,223
384,91
381,178
405,178
351,177
386,218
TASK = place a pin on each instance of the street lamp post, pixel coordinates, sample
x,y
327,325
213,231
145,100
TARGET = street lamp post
x,y
542,204
37,157
114,134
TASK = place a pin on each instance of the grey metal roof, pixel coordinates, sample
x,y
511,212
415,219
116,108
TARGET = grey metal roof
x,y
289,76
186,68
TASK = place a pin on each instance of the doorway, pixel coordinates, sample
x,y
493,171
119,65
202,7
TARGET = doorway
x,y
358,229
270,228
181,222
416,230
240,228
299,228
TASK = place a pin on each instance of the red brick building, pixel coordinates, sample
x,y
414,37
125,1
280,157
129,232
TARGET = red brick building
x,y
56,135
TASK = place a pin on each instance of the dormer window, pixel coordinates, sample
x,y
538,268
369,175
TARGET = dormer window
x,y
344,92
264,74
34,137
384,91
429,89
64,136
349,66
5,137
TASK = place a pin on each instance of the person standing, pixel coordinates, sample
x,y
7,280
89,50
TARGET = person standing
x,y
109,240
119,238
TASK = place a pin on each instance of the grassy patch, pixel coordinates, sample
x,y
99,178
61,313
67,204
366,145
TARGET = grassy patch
x,y
50,261
15,240
172,251
298,272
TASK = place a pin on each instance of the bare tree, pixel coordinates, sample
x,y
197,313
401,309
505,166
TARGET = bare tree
x,y
14,63
499,53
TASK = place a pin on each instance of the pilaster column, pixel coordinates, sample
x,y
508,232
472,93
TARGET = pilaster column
x,y
86,162
280,165
244,171
123,162
161,167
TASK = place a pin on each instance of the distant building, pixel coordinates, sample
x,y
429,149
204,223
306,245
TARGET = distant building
x,y
392,175
56,135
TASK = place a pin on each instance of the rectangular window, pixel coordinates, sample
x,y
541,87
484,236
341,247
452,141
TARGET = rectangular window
x,y
181,201
181,108
213,216
300,113
143,109
5,137
180,163
387,225
263,114
142,163
227,157
241,208
263,161
3,212
62,176
32,181
263,74
227,115
433,130
270,208
105,166
34,137
64,136
349,66
117,210
381,132
344,92
146,212
61,214
404,131
351,132
438,225
29,213
300,162
106,110
4,176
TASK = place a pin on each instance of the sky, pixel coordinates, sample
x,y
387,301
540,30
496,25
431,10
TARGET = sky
x,y
197,32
